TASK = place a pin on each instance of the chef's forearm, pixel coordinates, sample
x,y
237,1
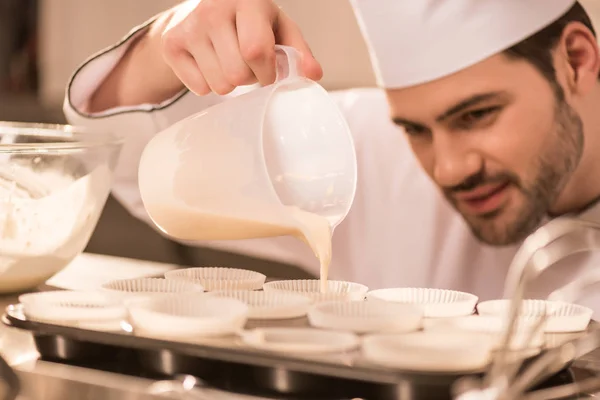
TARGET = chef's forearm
x,y
141,76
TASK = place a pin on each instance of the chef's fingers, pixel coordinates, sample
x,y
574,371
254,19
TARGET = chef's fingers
x,y
289,34
184,66
206,58
232,43
225,43
254,22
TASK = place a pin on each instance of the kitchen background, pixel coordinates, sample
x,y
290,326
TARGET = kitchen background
x,y
43,41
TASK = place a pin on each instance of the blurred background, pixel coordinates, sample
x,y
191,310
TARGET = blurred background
x,y
43,41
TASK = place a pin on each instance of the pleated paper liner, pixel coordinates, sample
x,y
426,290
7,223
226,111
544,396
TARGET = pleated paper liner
x,y
436,303
562,317
429,351
127,288
219,278
300,340
495,327
336,290
364,316
186,315
269,305
82,309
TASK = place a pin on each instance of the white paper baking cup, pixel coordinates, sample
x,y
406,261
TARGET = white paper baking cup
x,y
187,315
429,351
562,317
494,326
127,288
436,303
336,290
88,310
365,316
300,340
269,305
219,278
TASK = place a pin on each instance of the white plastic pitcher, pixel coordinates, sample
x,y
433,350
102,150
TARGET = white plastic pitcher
x,y
241,168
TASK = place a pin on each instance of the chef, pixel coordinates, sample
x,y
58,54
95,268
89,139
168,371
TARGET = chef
x,y
485,125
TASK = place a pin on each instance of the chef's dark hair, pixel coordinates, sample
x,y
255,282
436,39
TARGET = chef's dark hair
x,y
537,49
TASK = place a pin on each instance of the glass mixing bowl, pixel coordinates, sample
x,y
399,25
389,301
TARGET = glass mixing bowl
x,y
54,182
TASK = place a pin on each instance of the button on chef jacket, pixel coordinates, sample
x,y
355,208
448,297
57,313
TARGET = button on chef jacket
x,y
400,232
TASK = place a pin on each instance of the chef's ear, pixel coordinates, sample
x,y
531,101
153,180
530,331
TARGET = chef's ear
x,y
578,53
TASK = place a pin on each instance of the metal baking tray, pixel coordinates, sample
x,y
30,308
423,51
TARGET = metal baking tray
x,y
228,364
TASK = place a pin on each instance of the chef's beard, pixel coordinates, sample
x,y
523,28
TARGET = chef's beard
x,y
551,170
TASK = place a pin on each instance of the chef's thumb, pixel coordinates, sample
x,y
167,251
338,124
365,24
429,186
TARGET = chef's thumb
x,y
289,34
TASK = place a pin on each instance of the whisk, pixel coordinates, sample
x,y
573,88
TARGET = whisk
x,y
552,242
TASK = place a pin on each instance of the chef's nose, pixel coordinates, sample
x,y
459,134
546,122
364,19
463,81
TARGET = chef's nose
x,y
454,165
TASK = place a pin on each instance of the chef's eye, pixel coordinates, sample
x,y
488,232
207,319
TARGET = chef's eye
x,y
477,118
415,130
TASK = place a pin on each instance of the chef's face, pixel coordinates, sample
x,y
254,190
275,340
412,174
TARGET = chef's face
x,y
498,139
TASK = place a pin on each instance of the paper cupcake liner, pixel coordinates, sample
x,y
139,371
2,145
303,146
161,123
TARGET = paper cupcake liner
x,y
269,305
429,351
300,340
364,316
83,308
562,317
187,315
219,278
149,286
337,290
436,303
495,326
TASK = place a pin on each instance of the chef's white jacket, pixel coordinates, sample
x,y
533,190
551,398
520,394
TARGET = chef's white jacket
x,y
400,230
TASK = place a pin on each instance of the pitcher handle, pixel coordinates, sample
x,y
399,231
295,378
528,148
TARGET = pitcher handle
x,y
287,62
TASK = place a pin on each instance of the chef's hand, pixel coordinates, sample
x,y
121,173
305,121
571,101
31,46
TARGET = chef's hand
x,y
206,45
217,45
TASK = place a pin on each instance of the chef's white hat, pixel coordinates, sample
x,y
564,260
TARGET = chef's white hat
x,y
417,41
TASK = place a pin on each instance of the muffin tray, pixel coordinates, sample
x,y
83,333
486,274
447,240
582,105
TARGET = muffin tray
x,y
228,364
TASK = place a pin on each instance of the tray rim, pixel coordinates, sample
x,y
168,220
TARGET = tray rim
x,y
253,357
370,373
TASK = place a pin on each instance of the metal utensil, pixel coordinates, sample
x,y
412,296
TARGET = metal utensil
x,y
550,243
554,241
553,361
